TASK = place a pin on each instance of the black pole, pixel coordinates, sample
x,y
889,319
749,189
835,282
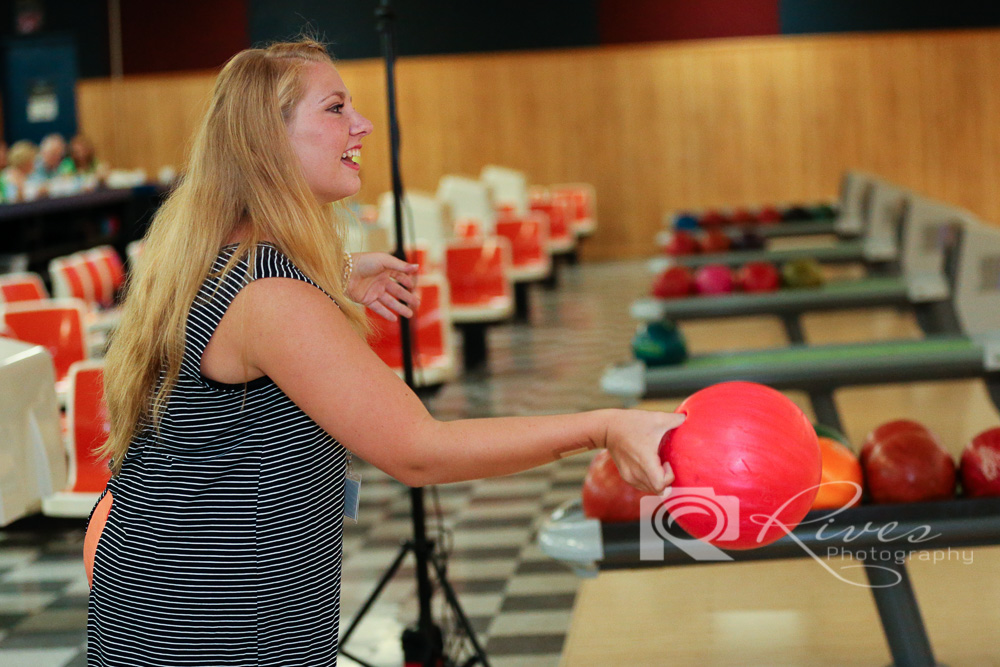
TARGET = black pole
x,y
421,547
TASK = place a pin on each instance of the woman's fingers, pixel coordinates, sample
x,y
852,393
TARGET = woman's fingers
x,y
382,311
395,305
403,294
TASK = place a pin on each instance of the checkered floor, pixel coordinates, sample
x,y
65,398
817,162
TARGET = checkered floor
x,y
518,601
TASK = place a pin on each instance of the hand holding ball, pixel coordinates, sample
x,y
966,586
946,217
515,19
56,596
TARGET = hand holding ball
x,y
749,442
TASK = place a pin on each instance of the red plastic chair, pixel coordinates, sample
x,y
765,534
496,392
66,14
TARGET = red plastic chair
x,y
70,279
16,287
530,259
434,356
561,237
55,324
89,425
582,199
107,270
477,276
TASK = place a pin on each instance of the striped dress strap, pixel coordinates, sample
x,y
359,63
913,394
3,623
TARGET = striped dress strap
x,y
219,290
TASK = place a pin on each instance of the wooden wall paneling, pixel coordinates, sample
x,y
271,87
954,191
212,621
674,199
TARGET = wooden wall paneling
x,y
654,127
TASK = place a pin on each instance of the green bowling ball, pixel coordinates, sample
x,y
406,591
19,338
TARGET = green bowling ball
x,y
823,212
824,431
802,273
659,344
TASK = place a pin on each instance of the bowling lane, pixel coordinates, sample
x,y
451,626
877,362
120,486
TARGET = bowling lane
x,y
786,613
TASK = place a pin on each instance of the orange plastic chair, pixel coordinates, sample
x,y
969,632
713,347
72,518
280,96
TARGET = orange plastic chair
x,y
434,357
89,425
477,279
16,287
581,196
561,237
70,279
530,259
108,257
55,324
99,281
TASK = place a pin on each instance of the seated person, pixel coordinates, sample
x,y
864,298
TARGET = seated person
x,y
82,160
19,173
51,152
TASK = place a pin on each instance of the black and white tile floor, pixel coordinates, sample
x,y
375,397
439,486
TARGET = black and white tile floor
x,y
518,600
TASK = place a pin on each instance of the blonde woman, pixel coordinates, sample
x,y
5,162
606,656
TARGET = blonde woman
x,y
239,384
16,177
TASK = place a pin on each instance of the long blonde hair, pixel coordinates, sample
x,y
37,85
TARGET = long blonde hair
x,y
241,174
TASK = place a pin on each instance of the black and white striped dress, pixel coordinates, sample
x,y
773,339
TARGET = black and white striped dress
x,y
223,544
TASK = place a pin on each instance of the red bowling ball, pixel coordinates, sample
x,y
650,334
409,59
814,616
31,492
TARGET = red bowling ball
x,y
754,455
741,216
981,465
713,279
606,496
712,219
768,215
683,243
675,282
758,277
715,240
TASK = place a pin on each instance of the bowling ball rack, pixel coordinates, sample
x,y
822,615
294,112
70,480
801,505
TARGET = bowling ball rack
x,y
953,524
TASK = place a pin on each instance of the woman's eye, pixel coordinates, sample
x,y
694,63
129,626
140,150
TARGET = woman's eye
x,y
336,108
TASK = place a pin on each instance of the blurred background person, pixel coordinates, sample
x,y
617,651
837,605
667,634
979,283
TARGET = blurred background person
x,y
15,178
51,152
82,159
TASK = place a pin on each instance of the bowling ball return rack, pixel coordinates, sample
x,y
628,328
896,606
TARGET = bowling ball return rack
x,y
589,546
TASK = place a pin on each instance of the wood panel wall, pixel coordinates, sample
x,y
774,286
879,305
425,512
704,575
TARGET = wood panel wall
x,y
655,127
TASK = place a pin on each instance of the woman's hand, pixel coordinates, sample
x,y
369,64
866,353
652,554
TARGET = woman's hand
x,y
633,440
384,284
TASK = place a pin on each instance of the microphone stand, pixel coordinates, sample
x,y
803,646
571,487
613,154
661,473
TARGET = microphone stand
x,y
424,644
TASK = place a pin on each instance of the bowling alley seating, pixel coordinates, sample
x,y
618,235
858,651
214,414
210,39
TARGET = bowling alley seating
x,y
58,325
32,454
94,277
87,429
584,200
511,195
433,346
476,268
475,216
22,286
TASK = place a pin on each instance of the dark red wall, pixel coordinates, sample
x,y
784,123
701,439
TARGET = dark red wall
x,y
172,35
657,20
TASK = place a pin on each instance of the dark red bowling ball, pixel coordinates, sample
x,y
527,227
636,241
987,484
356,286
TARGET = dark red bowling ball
x,y
909,467
675,282
758,277
712,219
768,215
606,496
715,240
981,465
887,430
683,243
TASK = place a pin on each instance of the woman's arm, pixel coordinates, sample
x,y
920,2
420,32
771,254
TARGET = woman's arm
x,y
299,338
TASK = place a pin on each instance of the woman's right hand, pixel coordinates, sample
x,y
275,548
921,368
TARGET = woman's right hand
x,y
633,440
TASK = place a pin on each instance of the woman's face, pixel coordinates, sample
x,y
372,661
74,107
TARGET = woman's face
x,y
325,132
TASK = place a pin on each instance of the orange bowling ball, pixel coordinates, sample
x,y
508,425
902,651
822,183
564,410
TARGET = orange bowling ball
x,y
841,472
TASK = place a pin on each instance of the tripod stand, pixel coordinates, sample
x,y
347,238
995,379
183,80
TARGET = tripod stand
x,y
423,645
